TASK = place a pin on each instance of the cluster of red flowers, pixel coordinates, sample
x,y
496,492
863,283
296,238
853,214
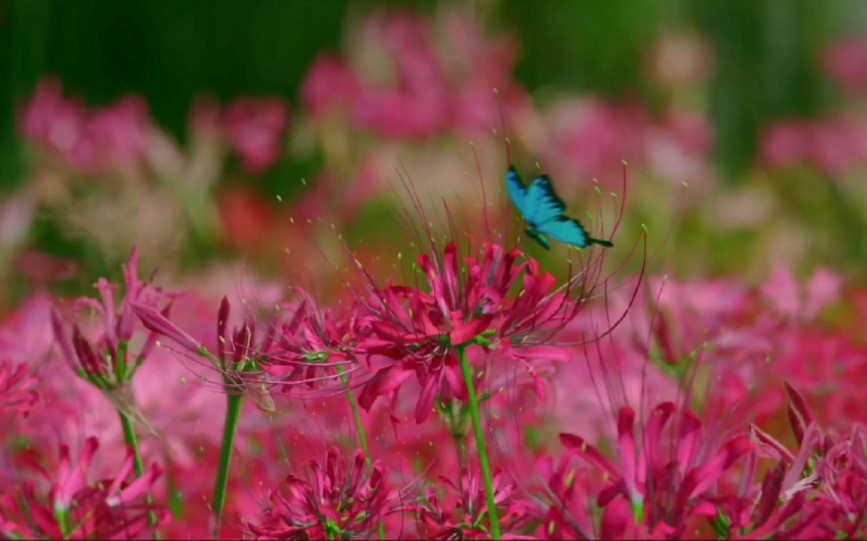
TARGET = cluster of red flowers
x,y
479,397
679,468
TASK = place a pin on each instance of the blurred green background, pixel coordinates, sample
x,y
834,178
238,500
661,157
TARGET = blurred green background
x,y
169,51
759,62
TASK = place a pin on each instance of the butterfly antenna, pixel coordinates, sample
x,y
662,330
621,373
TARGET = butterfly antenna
x,y
508,143
502,113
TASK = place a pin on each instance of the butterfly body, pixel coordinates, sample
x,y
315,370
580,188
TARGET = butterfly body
x,y
544,212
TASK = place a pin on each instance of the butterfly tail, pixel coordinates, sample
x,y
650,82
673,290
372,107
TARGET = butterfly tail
x,y
601,242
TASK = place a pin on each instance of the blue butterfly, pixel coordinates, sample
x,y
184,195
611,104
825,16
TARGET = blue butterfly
x,y
543,210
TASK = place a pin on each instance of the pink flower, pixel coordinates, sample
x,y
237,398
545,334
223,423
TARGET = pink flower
x,y
49,120
339,499
238,355
77,507
794,301
665,477
595,137
410,78
113,138
416,333
329,85
17,387
461,511
104,362
846,62
833,146
785,144
255,130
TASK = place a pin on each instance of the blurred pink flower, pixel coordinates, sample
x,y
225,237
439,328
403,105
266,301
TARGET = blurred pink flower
x,y
846,63
78,507
785,144
115,137
594,137
794,301
107,139
838,145
833,146
17,387
412,78
255,128
49,119
330,84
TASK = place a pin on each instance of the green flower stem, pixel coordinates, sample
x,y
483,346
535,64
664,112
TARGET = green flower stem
x,y
132,441
480,442
362,435
63,522
230,429
350,396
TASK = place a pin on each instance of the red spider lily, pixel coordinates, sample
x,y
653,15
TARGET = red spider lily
x,y
98,141
17,387
104,362
465,515
237,354
77,508
310,348
824,485
342,500
569,517
664,482
420,333
255,129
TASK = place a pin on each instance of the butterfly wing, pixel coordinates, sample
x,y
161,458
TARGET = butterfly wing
x,y
517,191
543,203
569,231
543,211
538,237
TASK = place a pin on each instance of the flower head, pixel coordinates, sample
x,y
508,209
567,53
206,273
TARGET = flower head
x,y
78,507
462,513
495,301
665,478
105,361
340,499
17,387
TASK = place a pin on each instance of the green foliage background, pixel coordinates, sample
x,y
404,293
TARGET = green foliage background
x,y
170,51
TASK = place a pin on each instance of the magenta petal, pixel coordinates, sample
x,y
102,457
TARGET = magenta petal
x,y
139,487
615,520
160,324
765,440
545,353
799,413
705,476
455,379
72,479
589,453
384,382
465,333
426,398
626,449
63,340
